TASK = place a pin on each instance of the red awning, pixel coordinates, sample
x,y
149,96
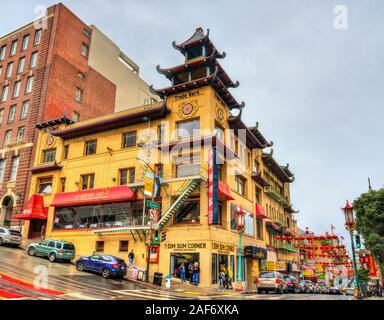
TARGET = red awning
x,y
260,211
34,210
95,196
224,191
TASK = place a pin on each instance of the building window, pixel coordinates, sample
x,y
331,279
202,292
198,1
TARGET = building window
x,y
81,75
29,86
249,228
33,62
21,134
12,114
129,139
15,166
159,168
240,185
20,67
13,48
44,185
79,95
8,73
49,155
25,43
161,133
219,132
87,181
75,116
3,164
87,33
90,147
84,50
1,116
2,52
37,38
7,137
66,152
123,246
188,129
16,89
126,176
99,246
24,110
259,228
62,184
189,212
4,93
1,70
187,166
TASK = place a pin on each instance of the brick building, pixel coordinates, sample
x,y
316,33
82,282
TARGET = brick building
x,y
45,74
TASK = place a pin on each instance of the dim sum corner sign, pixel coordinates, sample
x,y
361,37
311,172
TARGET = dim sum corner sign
x,y
186,246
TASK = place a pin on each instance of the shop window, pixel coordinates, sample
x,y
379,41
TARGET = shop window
x,y
129,139
87,181
189,212
123,246
188,129
44,185
189,259
99,246
101,216
126,176
49,155
187,165
90,147
215,271
240,185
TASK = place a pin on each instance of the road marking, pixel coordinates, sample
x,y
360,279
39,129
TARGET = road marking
x,y
81,296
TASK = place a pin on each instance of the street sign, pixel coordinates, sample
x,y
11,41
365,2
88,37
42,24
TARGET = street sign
x,y
362,251
153,205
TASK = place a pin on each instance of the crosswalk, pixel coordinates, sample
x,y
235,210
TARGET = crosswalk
x,y
152,294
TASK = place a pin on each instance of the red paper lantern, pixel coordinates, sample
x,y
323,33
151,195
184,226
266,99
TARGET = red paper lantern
x,y
284,238
278,237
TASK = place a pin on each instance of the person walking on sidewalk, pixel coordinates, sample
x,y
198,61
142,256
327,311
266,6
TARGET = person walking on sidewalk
x,y
131,259
196,274
221,280
229,278
182,272
42,233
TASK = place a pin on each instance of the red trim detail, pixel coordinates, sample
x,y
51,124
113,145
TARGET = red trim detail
x,y
260,211
224,191
34,210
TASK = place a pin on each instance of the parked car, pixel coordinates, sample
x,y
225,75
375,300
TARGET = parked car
x,y
271,281
53,250
334,290
10,237
293,285
349,291
304,287
310,285
104,264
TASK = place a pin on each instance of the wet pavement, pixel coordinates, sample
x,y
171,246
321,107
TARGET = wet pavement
x,y
25,277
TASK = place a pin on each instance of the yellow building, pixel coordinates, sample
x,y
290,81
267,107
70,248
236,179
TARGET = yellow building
x,y
94,177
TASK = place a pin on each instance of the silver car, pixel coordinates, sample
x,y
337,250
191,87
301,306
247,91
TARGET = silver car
x,y
10,236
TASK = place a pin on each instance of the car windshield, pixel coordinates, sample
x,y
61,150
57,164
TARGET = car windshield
x,y
267,275
69,246
15,233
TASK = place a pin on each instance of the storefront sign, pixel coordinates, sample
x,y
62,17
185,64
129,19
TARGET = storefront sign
x,y
186,246
371,266
213,188
221,247
149,183
271,265
153,205
281,265
255,252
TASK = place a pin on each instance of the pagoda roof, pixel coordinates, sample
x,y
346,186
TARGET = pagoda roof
x,y
271,163
290,209
287,171
252,142
114,121
255,130
212,80
197,39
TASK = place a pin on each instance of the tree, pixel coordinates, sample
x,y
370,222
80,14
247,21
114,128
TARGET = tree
x,y
369,208
363,274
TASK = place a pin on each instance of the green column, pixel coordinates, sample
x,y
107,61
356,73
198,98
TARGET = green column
x,y
239,257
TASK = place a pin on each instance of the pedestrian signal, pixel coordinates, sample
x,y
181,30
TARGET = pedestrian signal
x,y
358,242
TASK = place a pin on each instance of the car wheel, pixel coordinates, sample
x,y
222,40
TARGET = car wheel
x,y
32,251
52,257
80,266
105,273
1,242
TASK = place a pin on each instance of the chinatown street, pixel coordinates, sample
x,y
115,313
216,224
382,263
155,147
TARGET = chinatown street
x,y
19,274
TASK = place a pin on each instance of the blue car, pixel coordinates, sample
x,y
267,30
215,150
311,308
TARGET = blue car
x,y
104,264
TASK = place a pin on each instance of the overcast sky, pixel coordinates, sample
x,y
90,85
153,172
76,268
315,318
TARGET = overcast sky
x,y
317,91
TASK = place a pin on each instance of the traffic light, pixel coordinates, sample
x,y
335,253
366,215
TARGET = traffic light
x,y
156,238
163,236
358,242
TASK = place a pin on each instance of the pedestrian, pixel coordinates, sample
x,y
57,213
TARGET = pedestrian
x,y
221,280
230,277
131,259
182,272
196,274
42,233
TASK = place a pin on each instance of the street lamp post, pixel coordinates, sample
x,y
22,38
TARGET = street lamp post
x,y
240,227
350,225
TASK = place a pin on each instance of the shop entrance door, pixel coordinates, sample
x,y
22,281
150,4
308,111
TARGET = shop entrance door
x,y
35,227
188,259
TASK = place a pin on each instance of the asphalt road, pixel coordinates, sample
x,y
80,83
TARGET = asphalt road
x,y
25,277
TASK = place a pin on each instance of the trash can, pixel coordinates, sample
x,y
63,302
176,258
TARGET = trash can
x,y
157,278
168,281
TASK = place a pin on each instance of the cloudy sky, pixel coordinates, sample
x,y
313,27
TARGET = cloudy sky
x,y
316,90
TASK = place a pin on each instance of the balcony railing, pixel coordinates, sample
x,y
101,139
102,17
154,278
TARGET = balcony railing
x,y
276,196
